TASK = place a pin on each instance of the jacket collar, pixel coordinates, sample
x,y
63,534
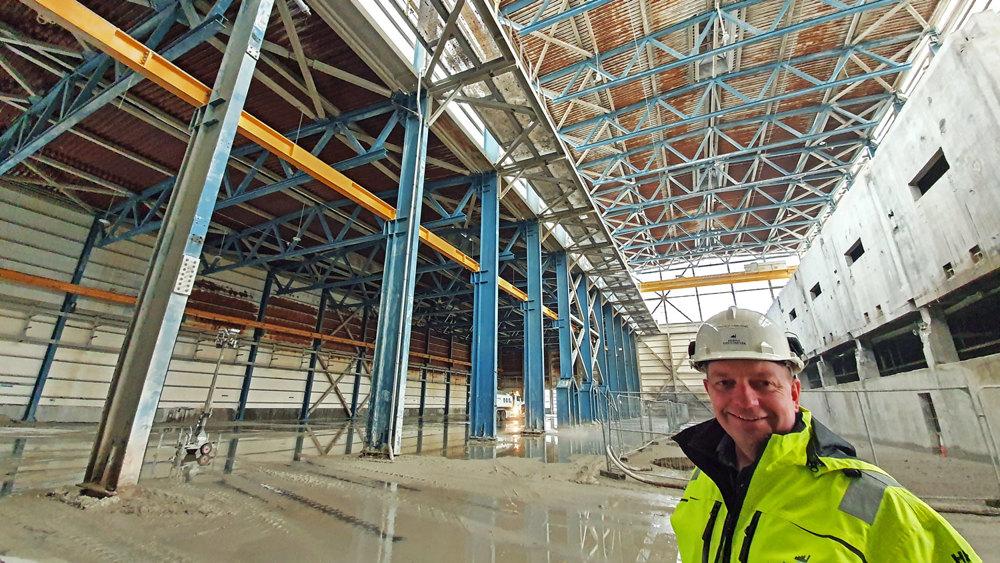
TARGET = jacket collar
x,y
810,443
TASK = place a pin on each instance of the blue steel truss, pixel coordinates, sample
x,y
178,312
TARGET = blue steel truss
x,y
701,27
727,151
643,111
143,212
84,91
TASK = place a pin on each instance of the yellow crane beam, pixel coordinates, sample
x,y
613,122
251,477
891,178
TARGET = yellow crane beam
x,y
717,279
127,50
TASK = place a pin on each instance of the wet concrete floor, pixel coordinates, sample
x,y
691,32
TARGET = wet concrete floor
x,y
290,491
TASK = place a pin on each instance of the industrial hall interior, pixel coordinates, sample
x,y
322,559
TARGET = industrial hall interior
x,y
415,280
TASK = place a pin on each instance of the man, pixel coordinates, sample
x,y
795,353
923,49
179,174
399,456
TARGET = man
x,y
772,483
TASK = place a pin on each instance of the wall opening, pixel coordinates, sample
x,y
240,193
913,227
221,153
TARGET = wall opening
x,y
972,320
929,174
903,351
855,252
931,418
845,367
976,254
815,291
792,315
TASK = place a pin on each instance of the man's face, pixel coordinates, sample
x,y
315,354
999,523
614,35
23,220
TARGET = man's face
x,y
752,399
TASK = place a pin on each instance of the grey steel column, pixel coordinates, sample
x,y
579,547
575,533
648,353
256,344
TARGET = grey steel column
x,y
142,365
390,361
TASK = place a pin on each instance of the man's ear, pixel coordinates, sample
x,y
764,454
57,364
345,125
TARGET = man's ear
x,y
796,391
705,383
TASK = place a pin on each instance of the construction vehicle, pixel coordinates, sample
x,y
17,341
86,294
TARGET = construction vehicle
x,y
509,405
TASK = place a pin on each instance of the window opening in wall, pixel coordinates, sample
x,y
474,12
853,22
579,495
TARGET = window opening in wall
x,y
815,291
930,174
972,320
902,351
976,253
792,315
845,367
949,270
855,252
931,418
811,376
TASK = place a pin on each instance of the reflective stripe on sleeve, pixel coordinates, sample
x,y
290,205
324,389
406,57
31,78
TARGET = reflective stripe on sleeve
x,y
864,495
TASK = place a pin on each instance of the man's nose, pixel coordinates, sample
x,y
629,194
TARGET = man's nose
x,y
744,395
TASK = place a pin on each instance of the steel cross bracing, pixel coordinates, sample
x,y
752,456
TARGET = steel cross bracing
x,y
247,179
84,90
717,131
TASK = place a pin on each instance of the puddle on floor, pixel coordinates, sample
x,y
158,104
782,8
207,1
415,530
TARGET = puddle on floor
x,y
46,456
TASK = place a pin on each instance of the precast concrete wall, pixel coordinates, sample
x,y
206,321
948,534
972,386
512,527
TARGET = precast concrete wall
x,y
42,238
917,246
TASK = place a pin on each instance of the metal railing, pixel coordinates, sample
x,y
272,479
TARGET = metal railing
x,y
630,421
940,442
936,441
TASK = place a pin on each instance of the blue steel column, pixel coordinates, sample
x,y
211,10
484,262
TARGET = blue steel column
x,y
149,342
601,389
564,391
622,366
447,383
392,339
534,352
359,366
629,369
636,382
317,347
423,370
611,347
258,334
586,354
68,306
483,383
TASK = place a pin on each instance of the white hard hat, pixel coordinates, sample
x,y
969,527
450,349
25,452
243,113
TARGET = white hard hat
x,y
741,334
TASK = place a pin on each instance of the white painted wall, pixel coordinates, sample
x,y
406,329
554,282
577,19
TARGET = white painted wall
x,y
663,357
42,238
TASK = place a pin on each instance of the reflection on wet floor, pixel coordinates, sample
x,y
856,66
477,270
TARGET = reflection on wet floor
x,y
50,456
271,489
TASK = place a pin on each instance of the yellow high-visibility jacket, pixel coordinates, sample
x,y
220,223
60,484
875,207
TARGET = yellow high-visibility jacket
x,y
808,499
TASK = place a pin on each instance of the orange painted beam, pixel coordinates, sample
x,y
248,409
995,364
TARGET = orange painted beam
x,y
717,279
110,296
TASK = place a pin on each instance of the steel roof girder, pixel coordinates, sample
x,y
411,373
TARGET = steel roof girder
x,y
820,87
739,156
28,134
842,55
242,193
700,215
724,232
538,24
860,7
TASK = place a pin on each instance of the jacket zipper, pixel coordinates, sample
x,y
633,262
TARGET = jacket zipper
x,y
748,533
706,536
